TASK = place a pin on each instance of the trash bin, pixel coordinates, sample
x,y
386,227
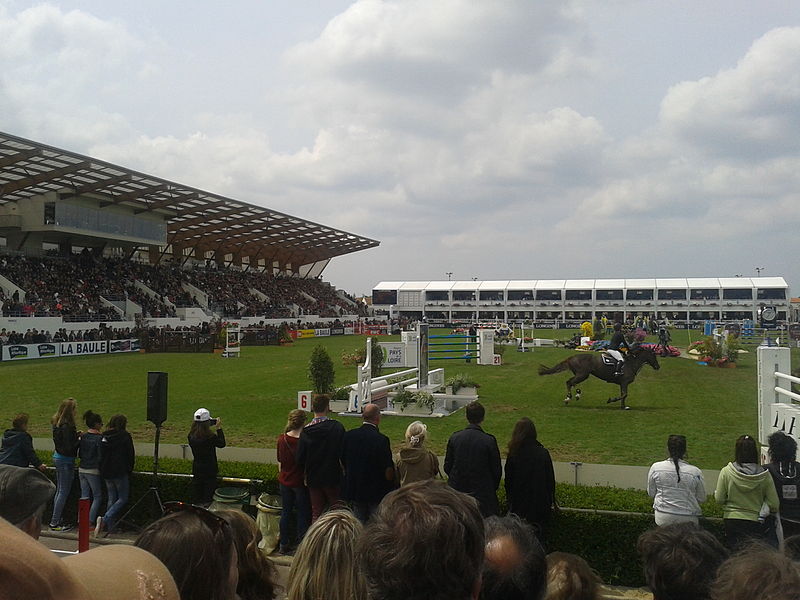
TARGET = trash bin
x,y
230,498
268,521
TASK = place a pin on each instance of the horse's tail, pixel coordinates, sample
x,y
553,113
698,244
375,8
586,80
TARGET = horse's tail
x,y
562,366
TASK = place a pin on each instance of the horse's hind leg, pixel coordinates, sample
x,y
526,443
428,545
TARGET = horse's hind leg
x,y
571,382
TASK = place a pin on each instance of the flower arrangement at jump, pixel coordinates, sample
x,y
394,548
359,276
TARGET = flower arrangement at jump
x,y
716,354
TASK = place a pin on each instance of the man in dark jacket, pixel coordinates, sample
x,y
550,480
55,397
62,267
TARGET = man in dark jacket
x,y
17,448
368,464
318,452
472,461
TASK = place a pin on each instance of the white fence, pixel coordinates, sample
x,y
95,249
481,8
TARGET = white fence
x,y
777,403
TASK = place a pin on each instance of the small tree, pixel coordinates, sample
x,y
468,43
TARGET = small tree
x,y
320,370
378,358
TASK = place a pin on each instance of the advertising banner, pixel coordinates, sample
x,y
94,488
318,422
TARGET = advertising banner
x,y
27,351
322,332
349,331
131,345
394,354
337,330
83,348
305,333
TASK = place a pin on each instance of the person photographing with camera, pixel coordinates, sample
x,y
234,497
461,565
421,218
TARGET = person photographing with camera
x,y
204,444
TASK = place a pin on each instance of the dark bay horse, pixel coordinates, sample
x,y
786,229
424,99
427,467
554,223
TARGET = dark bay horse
x,y
583,365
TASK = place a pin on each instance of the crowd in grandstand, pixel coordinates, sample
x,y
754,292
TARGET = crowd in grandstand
x,y
373,525
86,287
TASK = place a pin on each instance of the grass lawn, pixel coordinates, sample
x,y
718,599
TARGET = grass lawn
x,y
254,393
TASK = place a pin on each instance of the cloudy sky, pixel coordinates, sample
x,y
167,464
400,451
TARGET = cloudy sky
x,y
491,139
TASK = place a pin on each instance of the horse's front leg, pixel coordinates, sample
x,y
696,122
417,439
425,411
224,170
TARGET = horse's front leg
x,y
623,395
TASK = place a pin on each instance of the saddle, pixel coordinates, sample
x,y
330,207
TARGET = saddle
x,y
608,359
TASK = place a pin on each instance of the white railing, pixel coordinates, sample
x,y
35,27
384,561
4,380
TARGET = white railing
x,y
777,408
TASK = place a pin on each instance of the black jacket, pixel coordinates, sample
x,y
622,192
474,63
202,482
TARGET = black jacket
x,y
318,452
65,438
205,454
473,465
17,449
787,484
116,454
618,341
89,450
366,455
530,482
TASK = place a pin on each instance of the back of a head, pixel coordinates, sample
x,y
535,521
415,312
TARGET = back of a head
x,y
680,561
256,573
325,565
416,433
746,450
24,494
197,555
782,448
118,422
514,567
320,404
569,577
426,541
757,572
475,412
92,419
20,421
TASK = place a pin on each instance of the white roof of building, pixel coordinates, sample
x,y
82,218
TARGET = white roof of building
x,y
735,282
633,284
609,284
522,284
550,284
440,286
579,284
493,285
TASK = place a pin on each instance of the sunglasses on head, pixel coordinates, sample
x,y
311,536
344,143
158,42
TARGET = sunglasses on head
x,y
215,522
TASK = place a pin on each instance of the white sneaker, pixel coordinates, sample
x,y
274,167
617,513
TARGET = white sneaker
x,y
98,527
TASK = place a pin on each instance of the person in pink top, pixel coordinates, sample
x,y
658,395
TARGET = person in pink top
x,y
294,494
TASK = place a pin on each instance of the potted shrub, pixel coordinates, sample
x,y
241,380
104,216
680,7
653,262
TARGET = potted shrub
x,y
462,385
421,398
320,371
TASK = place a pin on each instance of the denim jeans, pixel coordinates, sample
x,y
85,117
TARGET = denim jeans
x,y
294,498
65,474
91,489
118,491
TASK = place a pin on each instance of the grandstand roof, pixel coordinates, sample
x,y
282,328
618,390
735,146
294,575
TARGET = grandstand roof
x,y
195,218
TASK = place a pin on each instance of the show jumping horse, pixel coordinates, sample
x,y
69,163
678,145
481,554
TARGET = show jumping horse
x,y
597,364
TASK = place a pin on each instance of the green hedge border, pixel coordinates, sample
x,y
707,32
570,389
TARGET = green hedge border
x,y
599,523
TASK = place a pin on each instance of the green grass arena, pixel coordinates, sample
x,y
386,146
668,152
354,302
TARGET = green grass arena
x,y
254,393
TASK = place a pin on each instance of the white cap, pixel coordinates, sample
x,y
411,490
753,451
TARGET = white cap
x,y
202,414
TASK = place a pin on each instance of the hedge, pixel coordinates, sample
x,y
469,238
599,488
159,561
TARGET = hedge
x,y
599,523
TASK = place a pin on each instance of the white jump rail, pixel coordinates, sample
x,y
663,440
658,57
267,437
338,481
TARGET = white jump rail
x,y
778,407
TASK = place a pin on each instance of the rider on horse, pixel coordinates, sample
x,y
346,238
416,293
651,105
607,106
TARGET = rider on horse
x,y
617,341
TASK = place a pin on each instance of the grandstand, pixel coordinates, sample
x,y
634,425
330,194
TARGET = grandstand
x,y
83,241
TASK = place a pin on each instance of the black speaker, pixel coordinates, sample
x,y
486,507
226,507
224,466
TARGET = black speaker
x,y
156,397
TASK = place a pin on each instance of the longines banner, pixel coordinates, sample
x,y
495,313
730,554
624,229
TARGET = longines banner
x,y
54,349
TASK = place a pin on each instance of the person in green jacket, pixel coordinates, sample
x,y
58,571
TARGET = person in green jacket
x,y
743,487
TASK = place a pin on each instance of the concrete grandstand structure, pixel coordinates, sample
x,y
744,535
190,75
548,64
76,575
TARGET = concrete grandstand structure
x,y
54,202
571,300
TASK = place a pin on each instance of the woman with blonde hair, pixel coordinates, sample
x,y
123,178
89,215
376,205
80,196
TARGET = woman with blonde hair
x,y
414,461
66,440
325,565
294,494
257,574
569,577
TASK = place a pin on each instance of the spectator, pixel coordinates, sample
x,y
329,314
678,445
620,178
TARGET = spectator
x,y
325,565
89,470
198,549
742,488
66,440
117,457
368,465
256,573
472,461
759,572
425,542
676,486
318,452
294,494
121,572
680,561
569,577
785,471
415,462
530,480
515,567
17,447
204,444
24,494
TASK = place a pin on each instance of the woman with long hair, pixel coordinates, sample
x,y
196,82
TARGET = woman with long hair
x,y
785,471
677,488
742,488
569,577
89,469
530,480
325,565
294,494
414,462
116,465
204,444
66,440
197,548
257,574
